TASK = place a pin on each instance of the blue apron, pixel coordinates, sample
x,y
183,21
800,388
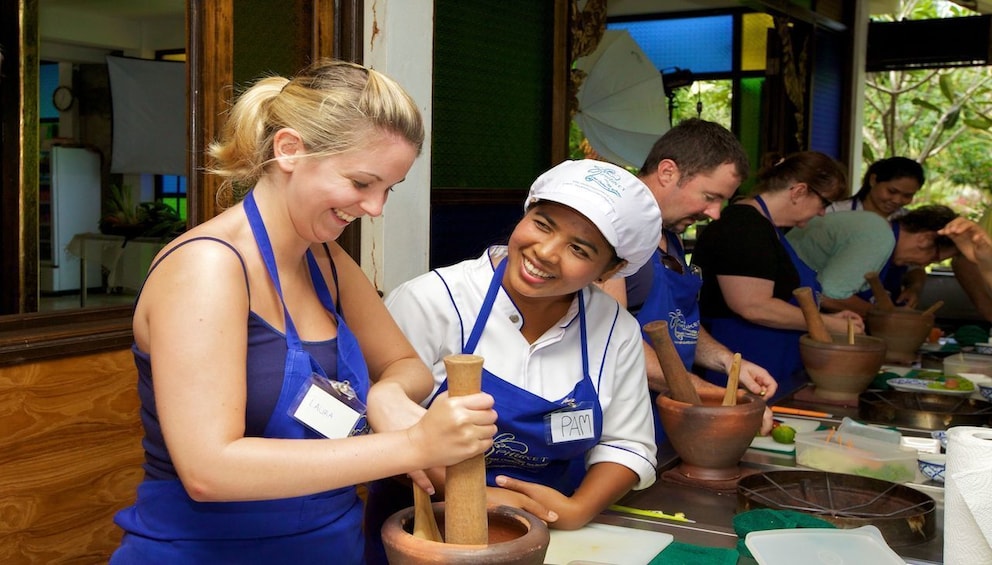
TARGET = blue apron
x,y
891,274
166,526
521,449
673,298
777,350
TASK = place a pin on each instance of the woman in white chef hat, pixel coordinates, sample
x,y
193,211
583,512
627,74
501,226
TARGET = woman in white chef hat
x,y
563,359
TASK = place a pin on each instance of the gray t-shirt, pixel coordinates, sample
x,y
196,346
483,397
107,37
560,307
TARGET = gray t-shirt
x,y
841,247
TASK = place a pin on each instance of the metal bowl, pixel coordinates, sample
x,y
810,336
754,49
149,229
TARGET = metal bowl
x,y
904,515
922,410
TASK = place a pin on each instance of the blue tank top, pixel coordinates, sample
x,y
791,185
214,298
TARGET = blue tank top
x,y
266,355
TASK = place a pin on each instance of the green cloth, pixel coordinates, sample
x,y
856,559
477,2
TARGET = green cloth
x,y
768,519
880,382
970,335
689,554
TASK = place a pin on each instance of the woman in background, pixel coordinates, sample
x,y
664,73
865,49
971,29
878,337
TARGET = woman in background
x,y
750,270
888,187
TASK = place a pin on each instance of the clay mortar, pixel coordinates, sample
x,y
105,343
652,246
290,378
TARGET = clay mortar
x,y
711,438
516,537
842,371
903,330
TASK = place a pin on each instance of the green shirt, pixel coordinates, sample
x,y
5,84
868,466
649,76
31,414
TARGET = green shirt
x,y
841,247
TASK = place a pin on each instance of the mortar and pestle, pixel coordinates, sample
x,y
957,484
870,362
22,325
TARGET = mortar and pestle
x,y
902,329
709,430
841,367
473,531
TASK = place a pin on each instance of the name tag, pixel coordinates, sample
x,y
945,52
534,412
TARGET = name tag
x,y
324,412
571,425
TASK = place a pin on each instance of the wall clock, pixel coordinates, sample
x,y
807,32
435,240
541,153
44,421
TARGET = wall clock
x,y
63,98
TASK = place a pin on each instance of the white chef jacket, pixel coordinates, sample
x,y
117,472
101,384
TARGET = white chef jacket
x,y
437,311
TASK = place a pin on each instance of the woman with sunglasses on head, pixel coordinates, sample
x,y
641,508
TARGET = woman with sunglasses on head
x,y
750,271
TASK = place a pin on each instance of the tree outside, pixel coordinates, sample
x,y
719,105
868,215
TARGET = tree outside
x,y
939,117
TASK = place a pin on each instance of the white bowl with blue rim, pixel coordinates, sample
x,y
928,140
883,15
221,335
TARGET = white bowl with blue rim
x,y
986,391
932,466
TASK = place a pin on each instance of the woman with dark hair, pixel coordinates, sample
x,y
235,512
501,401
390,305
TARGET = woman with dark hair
x,y
750,270
887,188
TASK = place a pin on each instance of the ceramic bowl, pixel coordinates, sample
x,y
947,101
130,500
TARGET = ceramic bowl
x,y
983,348
941,436
986,391
932,466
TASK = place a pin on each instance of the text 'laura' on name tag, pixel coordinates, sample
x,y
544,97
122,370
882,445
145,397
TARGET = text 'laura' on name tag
x,y
325,414
571,425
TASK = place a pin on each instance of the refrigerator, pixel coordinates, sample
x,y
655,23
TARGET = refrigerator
x,y
68,205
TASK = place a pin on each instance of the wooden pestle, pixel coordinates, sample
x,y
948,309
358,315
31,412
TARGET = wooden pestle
x,y
933,308
850,331
424,522
733,379
817,329
465,518
882,298
678,379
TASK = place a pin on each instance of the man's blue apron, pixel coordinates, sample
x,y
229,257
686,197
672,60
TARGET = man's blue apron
x,y
891,274
777,350
166,526
673,298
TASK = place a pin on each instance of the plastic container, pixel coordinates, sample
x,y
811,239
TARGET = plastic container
x,y
849,426
967,363
856,455
819,545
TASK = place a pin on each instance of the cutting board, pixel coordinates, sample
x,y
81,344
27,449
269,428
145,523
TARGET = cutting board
x,y
604,543
768,444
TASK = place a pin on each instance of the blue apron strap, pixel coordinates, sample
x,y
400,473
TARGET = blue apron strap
x,y
487,308
265,246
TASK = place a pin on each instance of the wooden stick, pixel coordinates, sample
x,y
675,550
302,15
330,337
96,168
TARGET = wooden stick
x,y
882,299
933,308
800,412
676,376
465,517
850,331
817,329
424,522
733,378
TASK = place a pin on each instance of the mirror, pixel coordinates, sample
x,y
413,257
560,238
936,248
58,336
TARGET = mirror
x,y
102,213
26,334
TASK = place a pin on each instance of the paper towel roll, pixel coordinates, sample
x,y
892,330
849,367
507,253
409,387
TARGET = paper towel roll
x,y
968,496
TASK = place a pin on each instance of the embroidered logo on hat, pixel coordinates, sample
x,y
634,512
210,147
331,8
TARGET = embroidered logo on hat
x,y
610,197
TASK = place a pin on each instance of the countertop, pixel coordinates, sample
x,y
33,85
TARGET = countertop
x,y
712,512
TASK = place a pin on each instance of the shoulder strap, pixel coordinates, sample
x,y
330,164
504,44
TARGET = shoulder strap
x,y
158,262
334,277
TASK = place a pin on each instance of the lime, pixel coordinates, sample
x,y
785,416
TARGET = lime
x,y
784,434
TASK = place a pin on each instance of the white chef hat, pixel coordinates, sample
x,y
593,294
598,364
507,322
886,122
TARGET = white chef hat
x,y
615,201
